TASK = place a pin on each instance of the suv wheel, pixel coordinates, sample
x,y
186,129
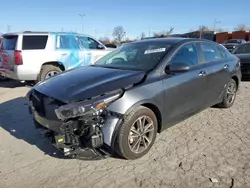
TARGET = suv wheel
x,y
229,94
137,134
47,71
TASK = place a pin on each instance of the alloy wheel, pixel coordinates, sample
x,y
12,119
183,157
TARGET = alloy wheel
x,y
141,134
231,92
51,73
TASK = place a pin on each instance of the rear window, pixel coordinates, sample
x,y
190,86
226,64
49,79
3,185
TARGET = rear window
x,y
233,41
9,42
34,42
243,49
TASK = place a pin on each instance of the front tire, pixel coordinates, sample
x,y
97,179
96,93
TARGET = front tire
x,y
229,94
137,133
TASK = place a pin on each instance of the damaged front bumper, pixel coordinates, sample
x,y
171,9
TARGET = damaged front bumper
x,y
83,138
83,129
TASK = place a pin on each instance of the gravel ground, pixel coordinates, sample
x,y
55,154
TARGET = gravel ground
x,y
212,144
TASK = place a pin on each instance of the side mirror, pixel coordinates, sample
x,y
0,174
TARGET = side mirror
x,y
177,67
100,47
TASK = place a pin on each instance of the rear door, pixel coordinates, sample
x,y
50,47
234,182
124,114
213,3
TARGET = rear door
x,y
68,51
7,52
217,71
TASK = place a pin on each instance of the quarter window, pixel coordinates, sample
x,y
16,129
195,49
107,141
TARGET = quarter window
x,y
210,52
34,42
186,54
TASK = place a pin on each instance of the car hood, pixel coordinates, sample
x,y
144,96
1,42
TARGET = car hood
x,y
244,58
86,82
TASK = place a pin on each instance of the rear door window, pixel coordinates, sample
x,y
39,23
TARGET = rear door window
x,y
34,42
210,52
9,42
67,42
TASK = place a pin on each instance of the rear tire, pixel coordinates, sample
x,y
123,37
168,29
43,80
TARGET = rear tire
x,y
47,70
229,95
127,138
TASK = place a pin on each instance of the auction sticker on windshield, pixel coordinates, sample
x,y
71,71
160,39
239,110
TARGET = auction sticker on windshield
x,y
155,50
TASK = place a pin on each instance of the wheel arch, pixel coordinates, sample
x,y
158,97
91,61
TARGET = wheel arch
x,y
152,106
236,79
56,63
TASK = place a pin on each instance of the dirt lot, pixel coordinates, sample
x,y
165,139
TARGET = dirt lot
x,y
212,144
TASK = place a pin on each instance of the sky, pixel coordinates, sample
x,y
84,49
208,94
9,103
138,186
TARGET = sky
x,y
136,16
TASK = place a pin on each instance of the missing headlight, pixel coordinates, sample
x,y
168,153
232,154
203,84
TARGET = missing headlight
x,y
94,107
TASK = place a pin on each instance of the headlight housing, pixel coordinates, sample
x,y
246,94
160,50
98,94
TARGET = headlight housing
x,y
93,106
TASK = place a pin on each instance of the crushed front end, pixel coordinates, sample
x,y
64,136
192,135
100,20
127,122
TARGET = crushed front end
x,y
75,128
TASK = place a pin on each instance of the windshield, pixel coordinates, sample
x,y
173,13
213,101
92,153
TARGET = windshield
x,y
243,49
137,56
233,41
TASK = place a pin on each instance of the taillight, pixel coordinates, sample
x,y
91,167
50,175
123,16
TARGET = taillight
x,y
18,57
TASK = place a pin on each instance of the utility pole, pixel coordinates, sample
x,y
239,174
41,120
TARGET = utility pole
x,y
215,22
82,15
8,28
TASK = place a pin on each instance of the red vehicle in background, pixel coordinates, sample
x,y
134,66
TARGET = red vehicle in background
x,y
1,78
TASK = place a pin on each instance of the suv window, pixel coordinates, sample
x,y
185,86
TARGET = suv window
x,y
9,42
83,42
186,54
87,42
210,52
67,42
92,43
34,42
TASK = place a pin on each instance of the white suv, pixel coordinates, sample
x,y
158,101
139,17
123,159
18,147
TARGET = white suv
x,y
35,56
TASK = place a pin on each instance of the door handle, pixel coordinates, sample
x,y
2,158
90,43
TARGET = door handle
x,y
202,73
225,66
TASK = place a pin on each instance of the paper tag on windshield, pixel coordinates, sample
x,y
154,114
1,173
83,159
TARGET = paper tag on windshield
x,y
155,50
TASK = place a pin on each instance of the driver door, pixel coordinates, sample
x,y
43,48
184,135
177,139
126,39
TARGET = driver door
x,y
185,92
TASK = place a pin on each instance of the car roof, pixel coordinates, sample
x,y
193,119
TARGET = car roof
x,y
43,32
46,33
172,40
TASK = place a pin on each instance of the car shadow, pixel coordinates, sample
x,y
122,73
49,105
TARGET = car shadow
x,y
14,84
245,79
15,119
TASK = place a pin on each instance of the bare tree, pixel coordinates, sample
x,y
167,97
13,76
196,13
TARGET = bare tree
x,y
119,33
203,29
143,35
169,32
241,27
164,33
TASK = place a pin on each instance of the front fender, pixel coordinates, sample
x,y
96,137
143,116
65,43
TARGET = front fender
x,y
147,94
